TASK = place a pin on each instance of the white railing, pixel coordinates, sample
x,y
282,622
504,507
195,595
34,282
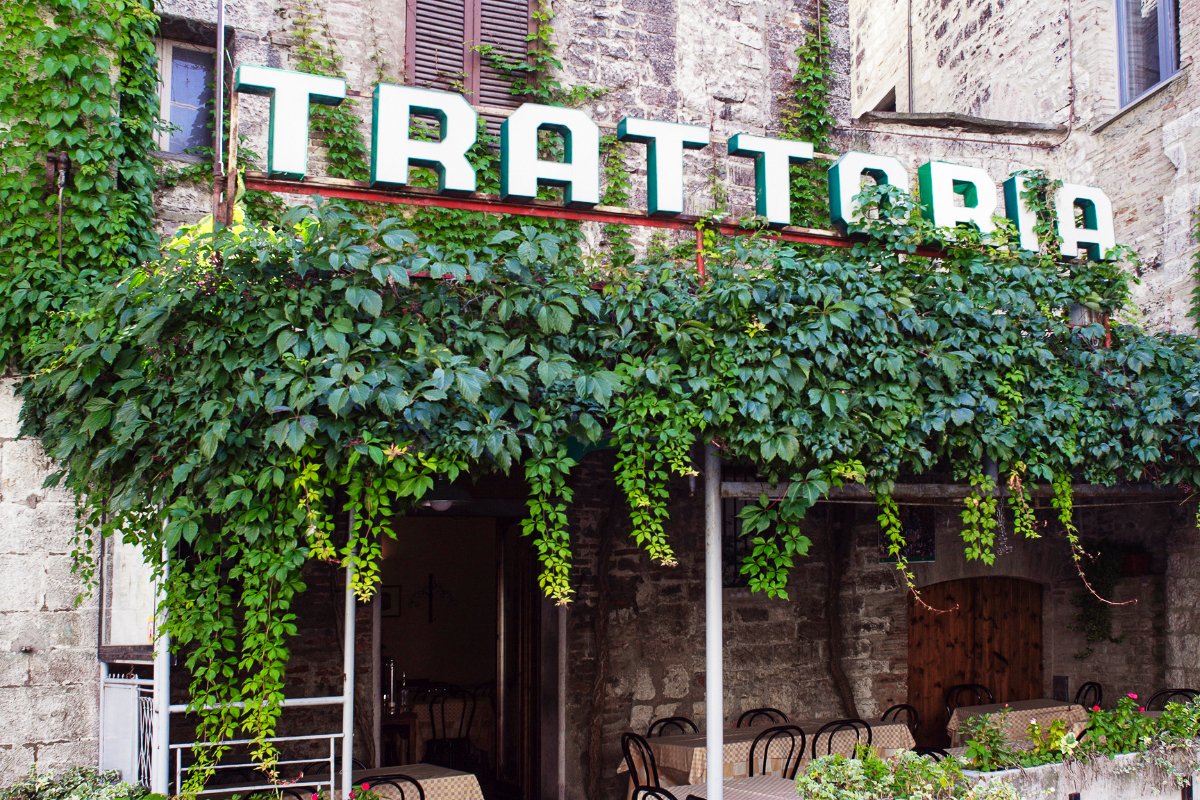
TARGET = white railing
x,y
300,782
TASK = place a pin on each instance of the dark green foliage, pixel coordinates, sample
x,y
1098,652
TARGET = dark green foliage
x,y
77,78
806,117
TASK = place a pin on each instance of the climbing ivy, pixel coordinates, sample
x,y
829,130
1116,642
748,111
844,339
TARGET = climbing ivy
x,y
1194,311
76,78
806,117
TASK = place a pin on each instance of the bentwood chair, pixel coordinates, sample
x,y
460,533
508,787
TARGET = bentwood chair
x,y
1158,701
764,746
670,725
764,714
653,793
451,712
1090,695
391,786
905,711
967,694
828,732
639,760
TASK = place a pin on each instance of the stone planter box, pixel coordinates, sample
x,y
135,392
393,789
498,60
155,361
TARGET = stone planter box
x,y
1132,776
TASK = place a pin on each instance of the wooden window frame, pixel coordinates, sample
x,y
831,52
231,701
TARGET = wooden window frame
x,y
165,50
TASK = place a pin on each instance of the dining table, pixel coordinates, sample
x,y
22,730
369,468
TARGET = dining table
x,y
760,787
438,783
1018,714
682,758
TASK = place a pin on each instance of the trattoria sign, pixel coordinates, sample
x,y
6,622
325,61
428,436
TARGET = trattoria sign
x,y
950,193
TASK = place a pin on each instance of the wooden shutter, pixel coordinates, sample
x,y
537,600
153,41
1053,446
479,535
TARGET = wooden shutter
x,y
436,54
505,26
439,43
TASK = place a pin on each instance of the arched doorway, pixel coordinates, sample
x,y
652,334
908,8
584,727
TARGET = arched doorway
x,y
993,637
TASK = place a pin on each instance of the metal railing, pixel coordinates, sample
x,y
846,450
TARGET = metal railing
x,y
266,785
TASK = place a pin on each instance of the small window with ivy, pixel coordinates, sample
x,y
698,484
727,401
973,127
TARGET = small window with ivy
x,y
186,76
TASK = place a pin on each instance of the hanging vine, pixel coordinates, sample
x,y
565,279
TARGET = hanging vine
x,y
214,402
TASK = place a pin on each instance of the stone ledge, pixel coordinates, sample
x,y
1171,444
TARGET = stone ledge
x,y
964,122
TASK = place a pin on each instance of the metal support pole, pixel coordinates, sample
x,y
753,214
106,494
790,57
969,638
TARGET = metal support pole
x,y
219,120
714,687
348,688
160,752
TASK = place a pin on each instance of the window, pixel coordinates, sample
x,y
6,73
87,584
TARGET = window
x,y
441,39
1147,44
186,75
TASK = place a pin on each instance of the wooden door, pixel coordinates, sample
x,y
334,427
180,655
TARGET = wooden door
x,y
518,669
993,637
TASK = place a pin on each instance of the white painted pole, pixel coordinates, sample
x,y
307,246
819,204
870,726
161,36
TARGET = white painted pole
x,y
160,749
348,688
714,650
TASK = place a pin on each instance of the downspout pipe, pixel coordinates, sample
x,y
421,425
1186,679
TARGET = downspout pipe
x,y
714,687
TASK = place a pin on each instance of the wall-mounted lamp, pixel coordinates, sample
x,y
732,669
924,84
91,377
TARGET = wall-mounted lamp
x,y
444,496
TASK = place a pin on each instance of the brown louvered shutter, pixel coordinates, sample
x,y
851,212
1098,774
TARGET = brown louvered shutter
x,y
439,46
437,51
504,25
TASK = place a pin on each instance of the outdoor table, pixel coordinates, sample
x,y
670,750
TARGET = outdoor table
x,y
681,758
439,783
760,787
1021,712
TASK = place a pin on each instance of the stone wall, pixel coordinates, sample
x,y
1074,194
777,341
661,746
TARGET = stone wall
x,y
49,676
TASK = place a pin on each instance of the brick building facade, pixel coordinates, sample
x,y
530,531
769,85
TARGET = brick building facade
x,y
999,84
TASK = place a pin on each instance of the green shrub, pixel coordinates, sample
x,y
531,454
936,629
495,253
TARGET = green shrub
x,y
77,783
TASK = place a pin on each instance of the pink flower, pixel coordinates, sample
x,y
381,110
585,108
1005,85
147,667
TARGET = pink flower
x,y
1095,708
1141,709
315,797
1132,695
366,787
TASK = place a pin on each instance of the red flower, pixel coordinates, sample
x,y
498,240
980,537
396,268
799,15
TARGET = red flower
x,y
366,787
1132,695
315,797
1095,708
1141,709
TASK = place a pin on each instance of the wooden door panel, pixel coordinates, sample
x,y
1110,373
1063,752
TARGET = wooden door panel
x,y
989,632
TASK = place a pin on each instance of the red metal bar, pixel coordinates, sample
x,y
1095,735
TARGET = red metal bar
x,y
700,268
537,208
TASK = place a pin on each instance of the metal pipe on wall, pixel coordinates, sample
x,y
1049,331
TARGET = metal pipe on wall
x,y
714,646
160,750
219,118
348,687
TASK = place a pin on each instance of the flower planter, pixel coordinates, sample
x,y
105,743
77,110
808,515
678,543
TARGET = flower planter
x,y
1131,776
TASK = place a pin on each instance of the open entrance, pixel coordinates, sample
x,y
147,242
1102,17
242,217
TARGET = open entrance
x,y
462,650
993,638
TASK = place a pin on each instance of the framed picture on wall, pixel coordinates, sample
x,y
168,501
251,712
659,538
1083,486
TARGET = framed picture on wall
x,y
389,600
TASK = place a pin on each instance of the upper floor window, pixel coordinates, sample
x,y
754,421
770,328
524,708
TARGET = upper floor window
x,y
443,37
1147,44
186,74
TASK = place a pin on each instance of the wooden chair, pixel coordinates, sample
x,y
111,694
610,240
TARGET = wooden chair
x,y
859,727
1158,701
759,762
1090,695
911,718
967,694
772,715
397,781
669,725
639,760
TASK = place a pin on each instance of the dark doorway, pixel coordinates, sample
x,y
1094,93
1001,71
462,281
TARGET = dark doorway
x,y
993,637
461,609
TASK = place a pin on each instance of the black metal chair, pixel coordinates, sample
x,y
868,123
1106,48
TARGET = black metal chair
x,y
936,753
655,793
911,718
639,760
1090,695
757,715
793,735
967,694
451,712
1158,701
829,731
669,725
397,781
